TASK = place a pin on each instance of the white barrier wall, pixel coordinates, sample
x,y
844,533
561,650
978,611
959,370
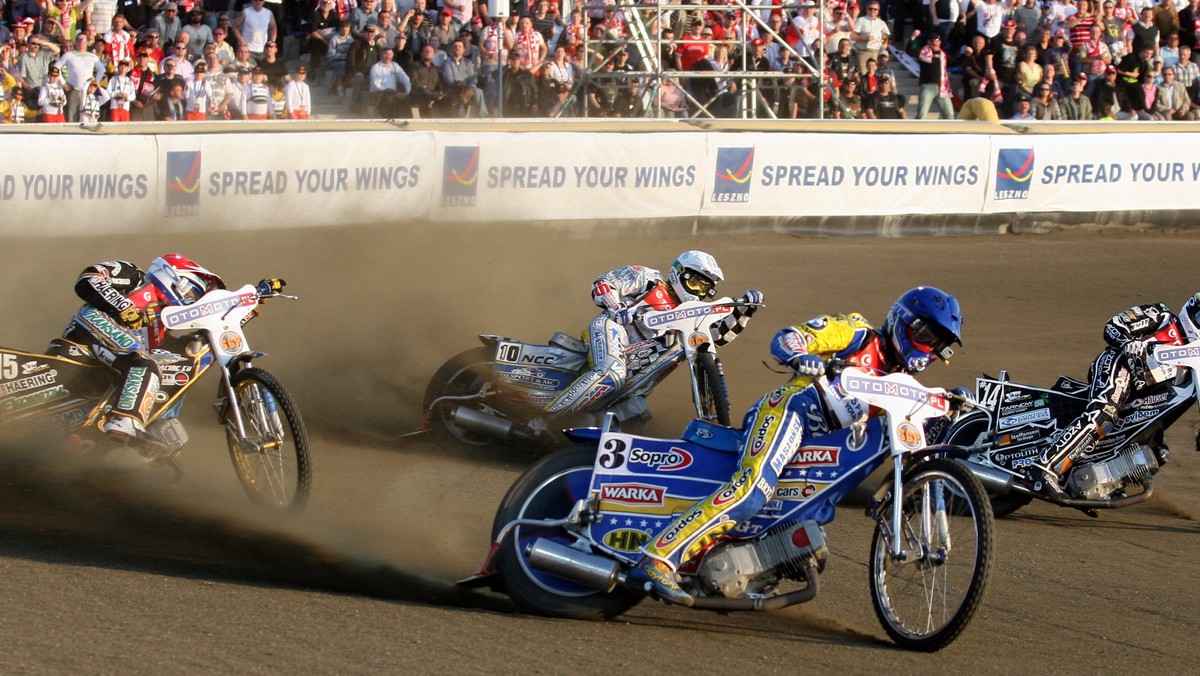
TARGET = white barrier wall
x,y
69,184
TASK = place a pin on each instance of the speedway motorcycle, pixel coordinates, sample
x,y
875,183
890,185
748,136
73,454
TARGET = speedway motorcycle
x,y
498,392
1014,423
69,397
571,527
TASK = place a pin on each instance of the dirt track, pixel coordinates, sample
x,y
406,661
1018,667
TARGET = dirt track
x,y
108,574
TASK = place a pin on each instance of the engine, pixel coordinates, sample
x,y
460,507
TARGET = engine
x,y
1101,479
735,569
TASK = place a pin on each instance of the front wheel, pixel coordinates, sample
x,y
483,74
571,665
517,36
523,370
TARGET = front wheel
x,y
548,490
925,596
714,395
272,460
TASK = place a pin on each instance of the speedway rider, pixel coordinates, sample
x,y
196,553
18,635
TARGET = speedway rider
x,y
118,327
920,328
625,292
1117,375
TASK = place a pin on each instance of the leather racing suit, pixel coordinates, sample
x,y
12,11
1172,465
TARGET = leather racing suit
x,y
1116,375
109,329
626,289
775,427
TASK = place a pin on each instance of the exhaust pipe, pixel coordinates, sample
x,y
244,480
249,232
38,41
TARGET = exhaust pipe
x,y
589,570
484,423
994,480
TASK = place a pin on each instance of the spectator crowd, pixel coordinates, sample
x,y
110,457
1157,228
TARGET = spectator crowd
x,y
90,61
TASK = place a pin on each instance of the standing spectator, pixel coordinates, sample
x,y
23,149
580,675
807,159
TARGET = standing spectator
x,y
1075,105
842,63
1113,30
121,91
446,31
183,67
273,66
990,18
255,27
427,91
1166,18
365,14
1189,24
389,85
166,25
943,15
693,46
199,97
545,20
529,46
35,61
1171,101
459,79
118,43
419,30
363,54
1079,25
1059,54
871,35
257,97
339,53
560,80
91,104
67,16
80,66
171,107
494,42
13,109
141,107
884,69
1094,55
1028,16
136,13
322,25
885,104
165,80
388,31
462,10
297,99
1145,33
934,80
238,88
199,34
1004,54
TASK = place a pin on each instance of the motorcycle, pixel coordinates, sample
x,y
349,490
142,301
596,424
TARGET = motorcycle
x,y
497,393
572,525
70,396
1014,423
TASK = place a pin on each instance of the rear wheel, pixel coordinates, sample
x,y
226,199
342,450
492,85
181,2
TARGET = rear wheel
x,y
272,461
927,595
714,396
548,490
463,376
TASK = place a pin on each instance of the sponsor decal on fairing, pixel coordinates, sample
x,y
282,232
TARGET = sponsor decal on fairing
x,y
634,494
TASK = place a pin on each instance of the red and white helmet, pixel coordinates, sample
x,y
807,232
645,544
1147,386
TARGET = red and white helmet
x,y
180,280
1189,318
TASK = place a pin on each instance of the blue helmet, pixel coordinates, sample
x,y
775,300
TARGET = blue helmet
x,y
922,325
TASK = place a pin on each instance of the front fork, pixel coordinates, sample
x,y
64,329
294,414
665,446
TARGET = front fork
x,y
934,542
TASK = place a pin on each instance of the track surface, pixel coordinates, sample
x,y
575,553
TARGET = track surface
x,y
107,573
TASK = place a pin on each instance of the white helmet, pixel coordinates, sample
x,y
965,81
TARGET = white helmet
x,y
1189,318
694,276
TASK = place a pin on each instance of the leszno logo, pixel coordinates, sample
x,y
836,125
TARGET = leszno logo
x,y
1014,174
460,176
633,494
183,183
735,168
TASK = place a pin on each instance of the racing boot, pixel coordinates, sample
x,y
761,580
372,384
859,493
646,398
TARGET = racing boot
x,y
121,429
657,579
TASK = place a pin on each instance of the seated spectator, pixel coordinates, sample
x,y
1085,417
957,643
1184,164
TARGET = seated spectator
x,y
560,79
389,85
427,90
171,106
339,52
1075,105
520,88
1187,73
1045,105
1143,96
1029,72
1109,96
885,103
1171,101
672,101
459,80
852,102
1024,109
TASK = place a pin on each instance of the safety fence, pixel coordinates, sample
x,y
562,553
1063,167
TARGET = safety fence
x,y
75,183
